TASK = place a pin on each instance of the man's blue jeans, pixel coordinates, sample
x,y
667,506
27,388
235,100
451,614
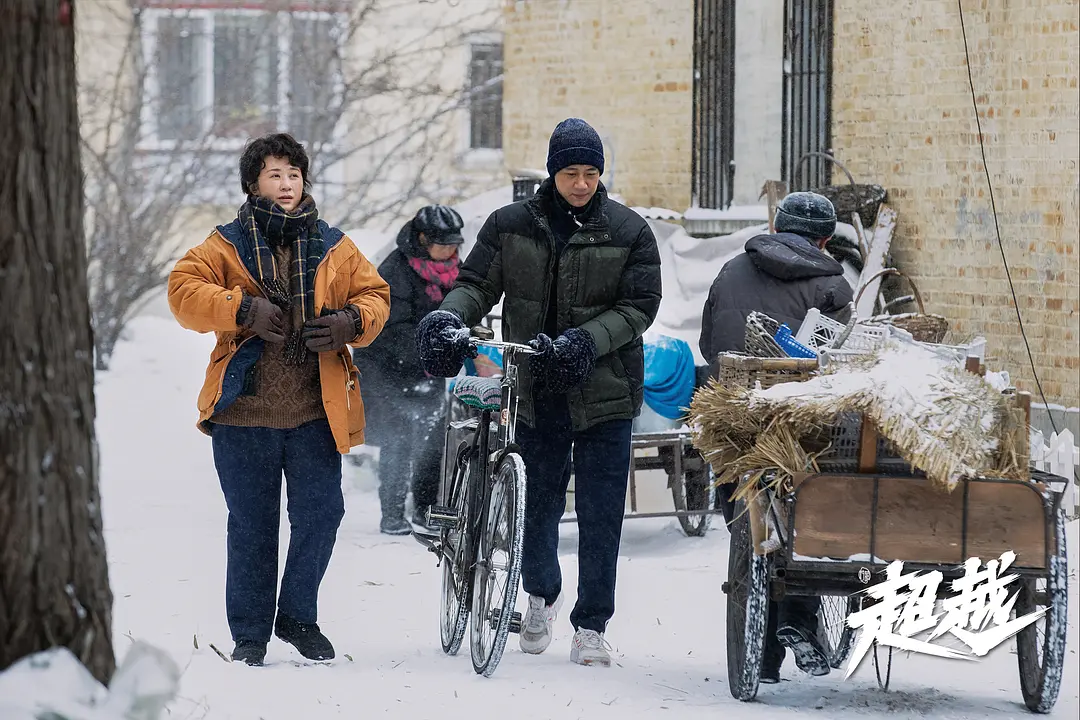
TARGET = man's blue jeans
x,y
601,469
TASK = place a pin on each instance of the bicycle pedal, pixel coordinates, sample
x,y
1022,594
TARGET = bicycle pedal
x,y
439,516
515,620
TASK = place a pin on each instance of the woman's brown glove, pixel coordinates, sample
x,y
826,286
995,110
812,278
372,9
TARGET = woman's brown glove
x,y
333,331
263,318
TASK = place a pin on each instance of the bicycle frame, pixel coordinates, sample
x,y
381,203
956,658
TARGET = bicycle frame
x,y
509,401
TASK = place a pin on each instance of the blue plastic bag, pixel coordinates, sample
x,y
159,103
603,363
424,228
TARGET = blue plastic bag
x,y
669,376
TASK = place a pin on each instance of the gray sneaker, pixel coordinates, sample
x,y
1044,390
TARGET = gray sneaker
x,y
535,633
589,648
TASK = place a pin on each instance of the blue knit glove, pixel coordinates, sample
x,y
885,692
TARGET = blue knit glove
x,y
443,343
562,364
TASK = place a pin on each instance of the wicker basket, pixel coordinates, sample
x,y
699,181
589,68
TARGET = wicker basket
x,y
861,198
923,326
746,371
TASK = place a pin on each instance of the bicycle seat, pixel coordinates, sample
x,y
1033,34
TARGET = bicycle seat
x,y
479,392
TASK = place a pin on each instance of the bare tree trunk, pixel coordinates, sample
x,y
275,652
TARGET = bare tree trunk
x,y
54,584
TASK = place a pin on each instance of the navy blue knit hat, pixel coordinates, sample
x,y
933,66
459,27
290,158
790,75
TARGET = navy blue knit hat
x,y
574,142
805,213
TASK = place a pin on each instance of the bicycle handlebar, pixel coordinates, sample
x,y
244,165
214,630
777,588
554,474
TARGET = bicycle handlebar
x,y
496,344
515,347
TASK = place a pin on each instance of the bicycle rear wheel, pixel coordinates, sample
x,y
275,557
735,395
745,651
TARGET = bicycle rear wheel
x,y
455,557
498,565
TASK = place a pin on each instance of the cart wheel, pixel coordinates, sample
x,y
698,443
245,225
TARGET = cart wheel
x,y
833,631
694,491
1040,647
747,609
883,684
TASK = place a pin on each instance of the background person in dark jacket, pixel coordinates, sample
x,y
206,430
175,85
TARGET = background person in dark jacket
x,y
408,405
782,275
578,267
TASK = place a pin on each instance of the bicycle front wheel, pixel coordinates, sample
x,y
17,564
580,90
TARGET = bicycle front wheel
x,y
498,565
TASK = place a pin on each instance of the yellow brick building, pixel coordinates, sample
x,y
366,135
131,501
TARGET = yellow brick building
x,y
625,67
903,114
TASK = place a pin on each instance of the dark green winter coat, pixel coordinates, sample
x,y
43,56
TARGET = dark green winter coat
x,y
608,285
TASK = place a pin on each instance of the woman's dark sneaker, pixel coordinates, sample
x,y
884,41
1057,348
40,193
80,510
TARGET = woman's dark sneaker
x,y
395,526
305,637
249,651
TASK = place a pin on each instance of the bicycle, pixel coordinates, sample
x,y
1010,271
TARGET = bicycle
x,y
481,522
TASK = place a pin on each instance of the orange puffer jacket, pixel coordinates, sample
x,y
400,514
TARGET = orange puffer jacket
x,y
206,287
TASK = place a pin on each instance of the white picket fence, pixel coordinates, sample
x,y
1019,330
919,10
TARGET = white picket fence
x,y
1059,456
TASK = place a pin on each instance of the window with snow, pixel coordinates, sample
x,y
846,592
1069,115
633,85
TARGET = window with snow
x,y
219,74
485,96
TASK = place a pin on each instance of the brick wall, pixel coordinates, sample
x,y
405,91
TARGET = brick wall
x,y
625,67
903,116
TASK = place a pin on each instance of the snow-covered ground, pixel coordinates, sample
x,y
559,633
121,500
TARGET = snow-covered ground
x,y
165,532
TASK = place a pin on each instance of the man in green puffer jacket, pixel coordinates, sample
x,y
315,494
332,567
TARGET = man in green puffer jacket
x,y
578,267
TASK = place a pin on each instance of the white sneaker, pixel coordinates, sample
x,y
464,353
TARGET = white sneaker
x,y
590,648
535,633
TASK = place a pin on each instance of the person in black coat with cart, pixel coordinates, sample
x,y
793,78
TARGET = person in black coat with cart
x,y
405,405
782,275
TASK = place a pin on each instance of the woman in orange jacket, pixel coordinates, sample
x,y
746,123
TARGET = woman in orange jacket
x,y
286,295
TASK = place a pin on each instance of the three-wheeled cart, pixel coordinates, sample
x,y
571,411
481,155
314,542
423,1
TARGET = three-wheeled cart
x,y
838,529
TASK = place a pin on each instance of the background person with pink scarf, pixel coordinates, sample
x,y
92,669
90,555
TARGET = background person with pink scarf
x,y
405,406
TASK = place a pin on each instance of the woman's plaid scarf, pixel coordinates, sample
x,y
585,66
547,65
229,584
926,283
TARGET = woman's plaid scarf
x,y
268,226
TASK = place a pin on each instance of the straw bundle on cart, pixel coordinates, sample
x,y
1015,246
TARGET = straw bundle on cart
x,y
939,418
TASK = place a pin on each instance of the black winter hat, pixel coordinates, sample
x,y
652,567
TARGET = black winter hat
x,y
574,142
440,223
807,214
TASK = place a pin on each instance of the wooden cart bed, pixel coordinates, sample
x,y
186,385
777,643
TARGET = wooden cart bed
x,y
882,518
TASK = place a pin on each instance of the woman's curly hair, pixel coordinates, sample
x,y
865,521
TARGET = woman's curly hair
x,y
280,145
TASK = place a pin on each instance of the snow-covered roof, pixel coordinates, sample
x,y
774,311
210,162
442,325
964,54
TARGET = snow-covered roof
x,y
734,212
656,213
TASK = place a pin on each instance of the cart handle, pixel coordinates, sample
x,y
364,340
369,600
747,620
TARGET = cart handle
x,y
827,156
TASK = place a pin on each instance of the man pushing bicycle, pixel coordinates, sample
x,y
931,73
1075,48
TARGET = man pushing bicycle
x,y
578,267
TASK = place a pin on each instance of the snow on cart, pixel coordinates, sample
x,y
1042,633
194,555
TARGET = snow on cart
x,y
848,460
